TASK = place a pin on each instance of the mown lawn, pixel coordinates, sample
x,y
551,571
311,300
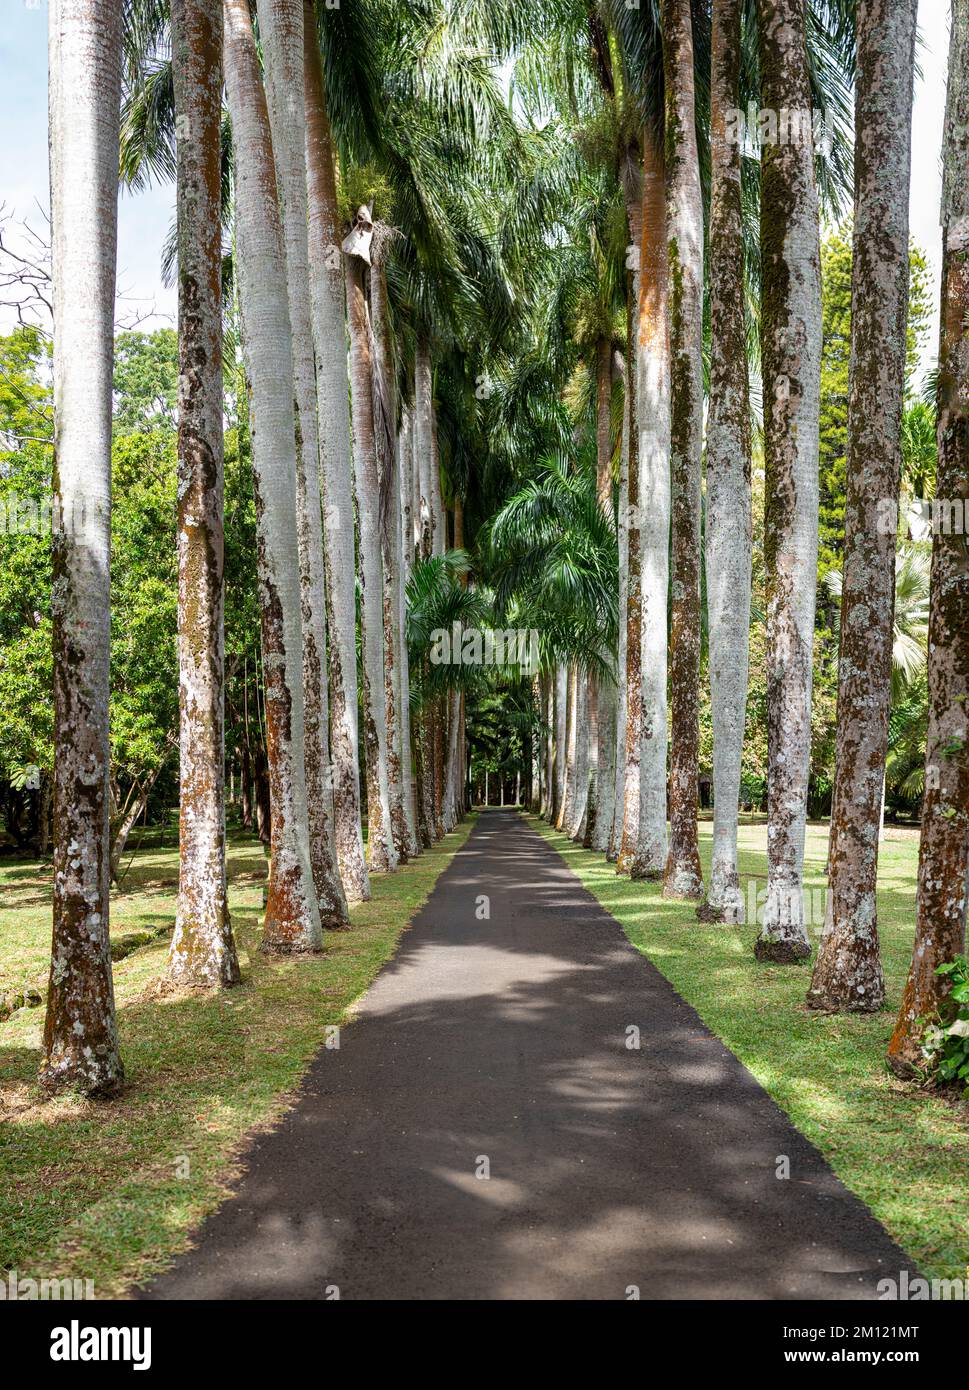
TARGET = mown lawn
x,y
110,1191
902,1150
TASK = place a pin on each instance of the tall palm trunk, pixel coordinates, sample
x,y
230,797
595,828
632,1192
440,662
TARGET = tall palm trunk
x,y
568,750
626,835
202,951
580,753
729,522
336,470
560,740
381,854
791,355
622,512
848,972
653,417
405,465
80,1037
281,30
683,877
602,770
385,401
940,924
430,543
449,814
292,922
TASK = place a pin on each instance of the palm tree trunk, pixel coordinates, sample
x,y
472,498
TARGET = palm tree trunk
x,y
80,1036
578,753
431,543
626,836
622,682
292,922
683,876
202,950
791,355
729,521
449,814
381,855
281,31
848,972
336,471
560,740
568,789
653,418
406,451
940,924
385,401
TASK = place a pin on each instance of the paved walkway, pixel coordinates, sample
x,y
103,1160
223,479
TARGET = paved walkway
x,y
500,1044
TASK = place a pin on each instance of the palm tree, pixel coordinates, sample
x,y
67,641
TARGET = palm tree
x,y
940,926
381,853
385,403
327,302
292,922
728,515
791,356
683,876
653,502
281,30
848,973
80,1036
202,950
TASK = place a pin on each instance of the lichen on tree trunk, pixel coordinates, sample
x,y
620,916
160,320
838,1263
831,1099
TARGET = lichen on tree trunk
x,y
848,972
940,925
652,405
682,877
327,301
80,1035
292,921
202,952
791,357
729,521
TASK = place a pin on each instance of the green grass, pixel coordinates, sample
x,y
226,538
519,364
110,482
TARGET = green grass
x,y
904,1151
99,1190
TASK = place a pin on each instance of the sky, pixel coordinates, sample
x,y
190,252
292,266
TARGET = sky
x,y
144,218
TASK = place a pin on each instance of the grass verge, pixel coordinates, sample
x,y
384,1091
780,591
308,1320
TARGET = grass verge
x,y
903,1151
111,1191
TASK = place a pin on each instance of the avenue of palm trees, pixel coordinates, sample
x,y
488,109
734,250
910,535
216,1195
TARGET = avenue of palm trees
x,y
531,337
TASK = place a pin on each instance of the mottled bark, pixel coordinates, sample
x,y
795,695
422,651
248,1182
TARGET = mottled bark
x,y
385,424
791,357
560,701
202,950
578,754
406,490
682,877
653,495
292,921
80,1036
729,524
568,751
848,972
940,924
601,767
381,854
281,31
327,301
449,814
622,515
626,832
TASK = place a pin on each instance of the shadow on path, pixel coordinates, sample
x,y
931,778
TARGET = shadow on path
x,y
505,1040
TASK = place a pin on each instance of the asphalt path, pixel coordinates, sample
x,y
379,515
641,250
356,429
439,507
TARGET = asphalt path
x,y
489,1129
